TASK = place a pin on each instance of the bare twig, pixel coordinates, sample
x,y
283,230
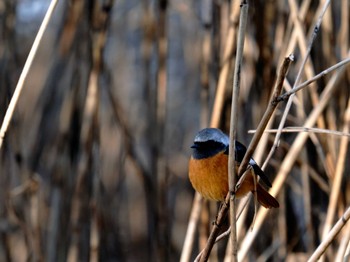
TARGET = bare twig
x,y
214,122
298,129
331,236
345,242
338,176
215,229
291,158
233,125
12,106
262,125
286,95
268,113
192,224
224,72
228,231
290,100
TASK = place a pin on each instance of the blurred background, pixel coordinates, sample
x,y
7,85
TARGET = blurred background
x,y
94,164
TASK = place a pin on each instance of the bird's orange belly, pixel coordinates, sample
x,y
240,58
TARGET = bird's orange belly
x,y
210,178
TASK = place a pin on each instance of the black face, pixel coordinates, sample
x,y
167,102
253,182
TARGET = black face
x,y
207,149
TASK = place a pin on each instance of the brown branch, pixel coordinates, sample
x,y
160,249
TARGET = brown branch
x,y
273,104
19,87
286,95
233,125
338,176
331,236
204,256
291,157
268,113
224,72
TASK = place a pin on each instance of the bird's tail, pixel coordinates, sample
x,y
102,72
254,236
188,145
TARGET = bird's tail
x,y
265,199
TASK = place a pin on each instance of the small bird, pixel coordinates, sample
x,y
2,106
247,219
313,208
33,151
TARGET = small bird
x,y
208,169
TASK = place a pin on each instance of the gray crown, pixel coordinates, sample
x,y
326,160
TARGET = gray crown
x,y
213,134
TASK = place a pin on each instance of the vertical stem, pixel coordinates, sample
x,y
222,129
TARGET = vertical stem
x,y
338,176
331,236
233,124
11,108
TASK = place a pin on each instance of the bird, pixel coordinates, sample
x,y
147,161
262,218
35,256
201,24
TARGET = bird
x,y
208,169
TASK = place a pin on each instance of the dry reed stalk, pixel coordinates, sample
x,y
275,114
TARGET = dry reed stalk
x,y
233,125
224,72
242,212
309,72
330,236
214,122
300,14
268,113
298,129
290,158
191,228
323,149
344,28
204,254
315,78
14,99
338,176
240,40
297,80
240,218
241,215
344,242
307,67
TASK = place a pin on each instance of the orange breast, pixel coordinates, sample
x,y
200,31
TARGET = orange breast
x,y
210,178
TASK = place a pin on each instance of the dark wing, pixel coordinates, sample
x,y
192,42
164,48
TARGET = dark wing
x,y
240,152
260,173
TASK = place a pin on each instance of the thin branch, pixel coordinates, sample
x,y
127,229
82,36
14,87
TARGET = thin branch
x,y
268,113
344,243
291,157
290,100
298,129
192,224
228,231
286,95
331,236
224,72
12,106
223,211
338,176
215,229
233,125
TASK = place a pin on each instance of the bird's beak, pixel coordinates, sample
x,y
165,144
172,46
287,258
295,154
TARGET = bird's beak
x,y
194,146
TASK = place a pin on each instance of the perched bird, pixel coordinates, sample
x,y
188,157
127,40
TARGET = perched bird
x,y
208,168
